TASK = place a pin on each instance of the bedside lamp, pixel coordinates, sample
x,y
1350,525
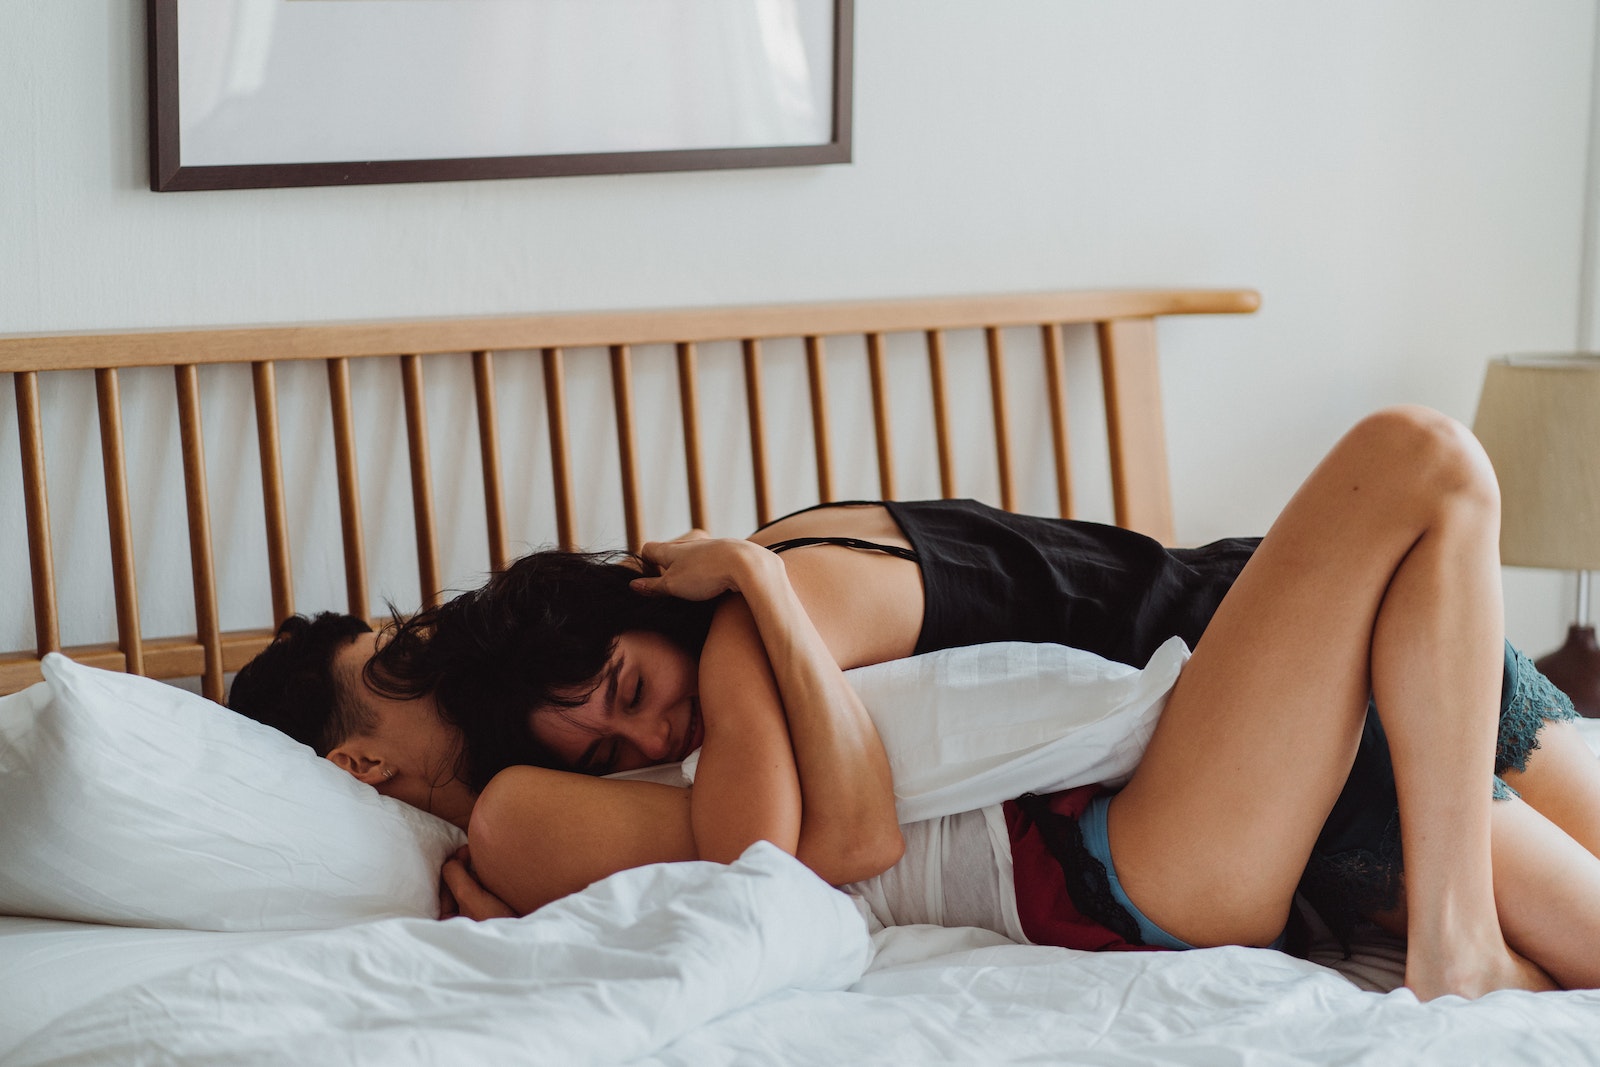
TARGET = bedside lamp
x,y
1539,420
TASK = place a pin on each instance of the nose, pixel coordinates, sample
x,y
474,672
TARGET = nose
x,y
651,735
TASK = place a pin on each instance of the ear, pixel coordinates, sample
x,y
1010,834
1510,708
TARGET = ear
x,y
360,761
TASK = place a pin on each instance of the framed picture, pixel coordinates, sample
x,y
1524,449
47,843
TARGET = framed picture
x,y
270,93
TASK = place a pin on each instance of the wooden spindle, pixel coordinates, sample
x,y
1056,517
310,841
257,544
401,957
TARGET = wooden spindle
x,y
1140,489
880,414
36,506
817,377
1055,374
1002,425
627,458
688,393
281,574
758,430
124,581
941,419
207,620
421,478
555,401
489,449
344,453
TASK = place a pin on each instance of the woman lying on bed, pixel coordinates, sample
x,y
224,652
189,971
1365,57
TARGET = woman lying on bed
x,y
1381,576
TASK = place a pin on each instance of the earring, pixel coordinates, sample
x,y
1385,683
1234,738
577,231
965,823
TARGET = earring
x,y
388,773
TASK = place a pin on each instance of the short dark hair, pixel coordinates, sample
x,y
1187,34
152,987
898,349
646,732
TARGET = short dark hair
x,y
536,635
293,687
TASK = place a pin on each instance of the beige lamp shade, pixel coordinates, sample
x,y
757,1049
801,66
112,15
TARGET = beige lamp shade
x,y
1539,420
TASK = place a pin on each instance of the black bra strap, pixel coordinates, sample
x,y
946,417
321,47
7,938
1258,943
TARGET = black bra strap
x,y
847,542
819,507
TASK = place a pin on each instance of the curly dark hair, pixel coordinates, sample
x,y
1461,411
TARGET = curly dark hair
x,y
537,634
291,686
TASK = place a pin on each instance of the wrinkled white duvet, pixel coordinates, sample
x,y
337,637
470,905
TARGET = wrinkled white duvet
x,y
695,963
607,976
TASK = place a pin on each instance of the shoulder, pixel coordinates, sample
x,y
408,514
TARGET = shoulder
x,y
531,791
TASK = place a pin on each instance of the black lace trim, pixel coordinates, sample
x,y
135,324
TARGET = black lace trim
x,y
1088,886
1345,887
1532,701
1348,886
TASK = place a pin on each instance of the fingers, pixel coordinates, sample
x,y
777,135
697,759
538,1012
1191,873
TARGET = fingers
x,y
448,908
659,551
661,555
695,569
469,896
654,556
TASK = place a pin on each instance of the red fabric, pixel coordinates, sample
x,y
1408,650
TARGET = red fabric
x,y
1046,911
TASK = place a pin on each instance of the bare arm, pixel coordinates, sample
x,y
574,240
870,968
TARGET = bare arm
x,y
747,788
763,663
538,835
771,697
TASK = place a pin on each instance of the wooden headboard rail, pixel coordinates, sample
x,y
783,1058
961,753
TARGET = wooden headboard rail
x,y
1124,321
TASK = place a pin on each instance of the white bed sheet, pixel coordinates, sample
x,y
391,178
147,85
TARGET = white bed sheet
x,y
698,964
1020,1004
49,968
758,962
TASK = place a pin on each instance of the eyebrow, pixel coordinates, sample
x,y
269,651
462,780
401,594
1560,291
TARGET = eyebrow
x,y
587,759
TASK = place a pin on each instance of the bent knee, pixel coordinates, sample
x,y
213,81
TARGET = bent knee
x,y
1432,455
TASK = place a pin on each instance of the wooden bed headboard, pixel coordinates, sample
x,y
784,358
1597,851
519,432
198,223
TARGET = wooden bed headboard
x,y
1123,321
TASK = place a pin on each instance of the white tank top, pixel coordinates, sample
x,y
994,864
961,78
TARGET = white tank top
x,y
956,871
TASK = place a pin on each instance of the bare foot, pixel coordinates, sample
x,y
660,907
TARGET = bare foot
x,y
1471,976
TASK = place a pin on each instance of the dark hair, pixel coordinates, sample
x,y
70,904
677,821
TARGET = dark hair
x,y
292,686
537,634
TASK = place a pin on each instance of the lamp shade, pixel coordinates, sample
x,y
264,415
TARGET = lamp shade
x,y
1539,420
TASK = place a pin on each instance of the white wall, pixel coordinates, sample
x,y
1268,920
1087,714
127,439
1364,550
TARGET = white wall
x,y
1403,182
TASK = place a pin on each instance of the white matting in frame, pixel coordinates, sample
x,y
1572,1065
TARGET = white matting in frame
x,y
295,92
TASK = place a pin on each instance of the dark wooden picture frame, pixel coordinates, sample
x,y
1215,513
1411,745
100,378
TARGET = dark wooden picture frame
x,y
169,173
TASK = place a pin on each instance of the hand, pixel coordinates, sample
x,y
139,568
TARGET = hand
x,y
460,892
697,567
694,533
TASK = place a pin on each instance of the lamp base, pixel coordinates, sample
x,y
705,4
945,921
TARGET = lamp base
x,y
1575,670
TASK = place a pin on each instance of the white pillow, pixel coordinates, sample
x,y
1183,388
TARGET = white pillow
x,y
976,725
125,800
973,726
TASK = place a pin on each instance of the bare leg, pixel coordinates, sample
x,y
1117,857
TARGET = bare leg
x,y
1381,575
1562,783
1547,889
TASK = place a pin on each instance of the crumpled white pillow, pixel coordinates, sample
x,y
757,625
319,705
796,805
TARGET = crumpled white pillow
x,y
977,725
128,801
